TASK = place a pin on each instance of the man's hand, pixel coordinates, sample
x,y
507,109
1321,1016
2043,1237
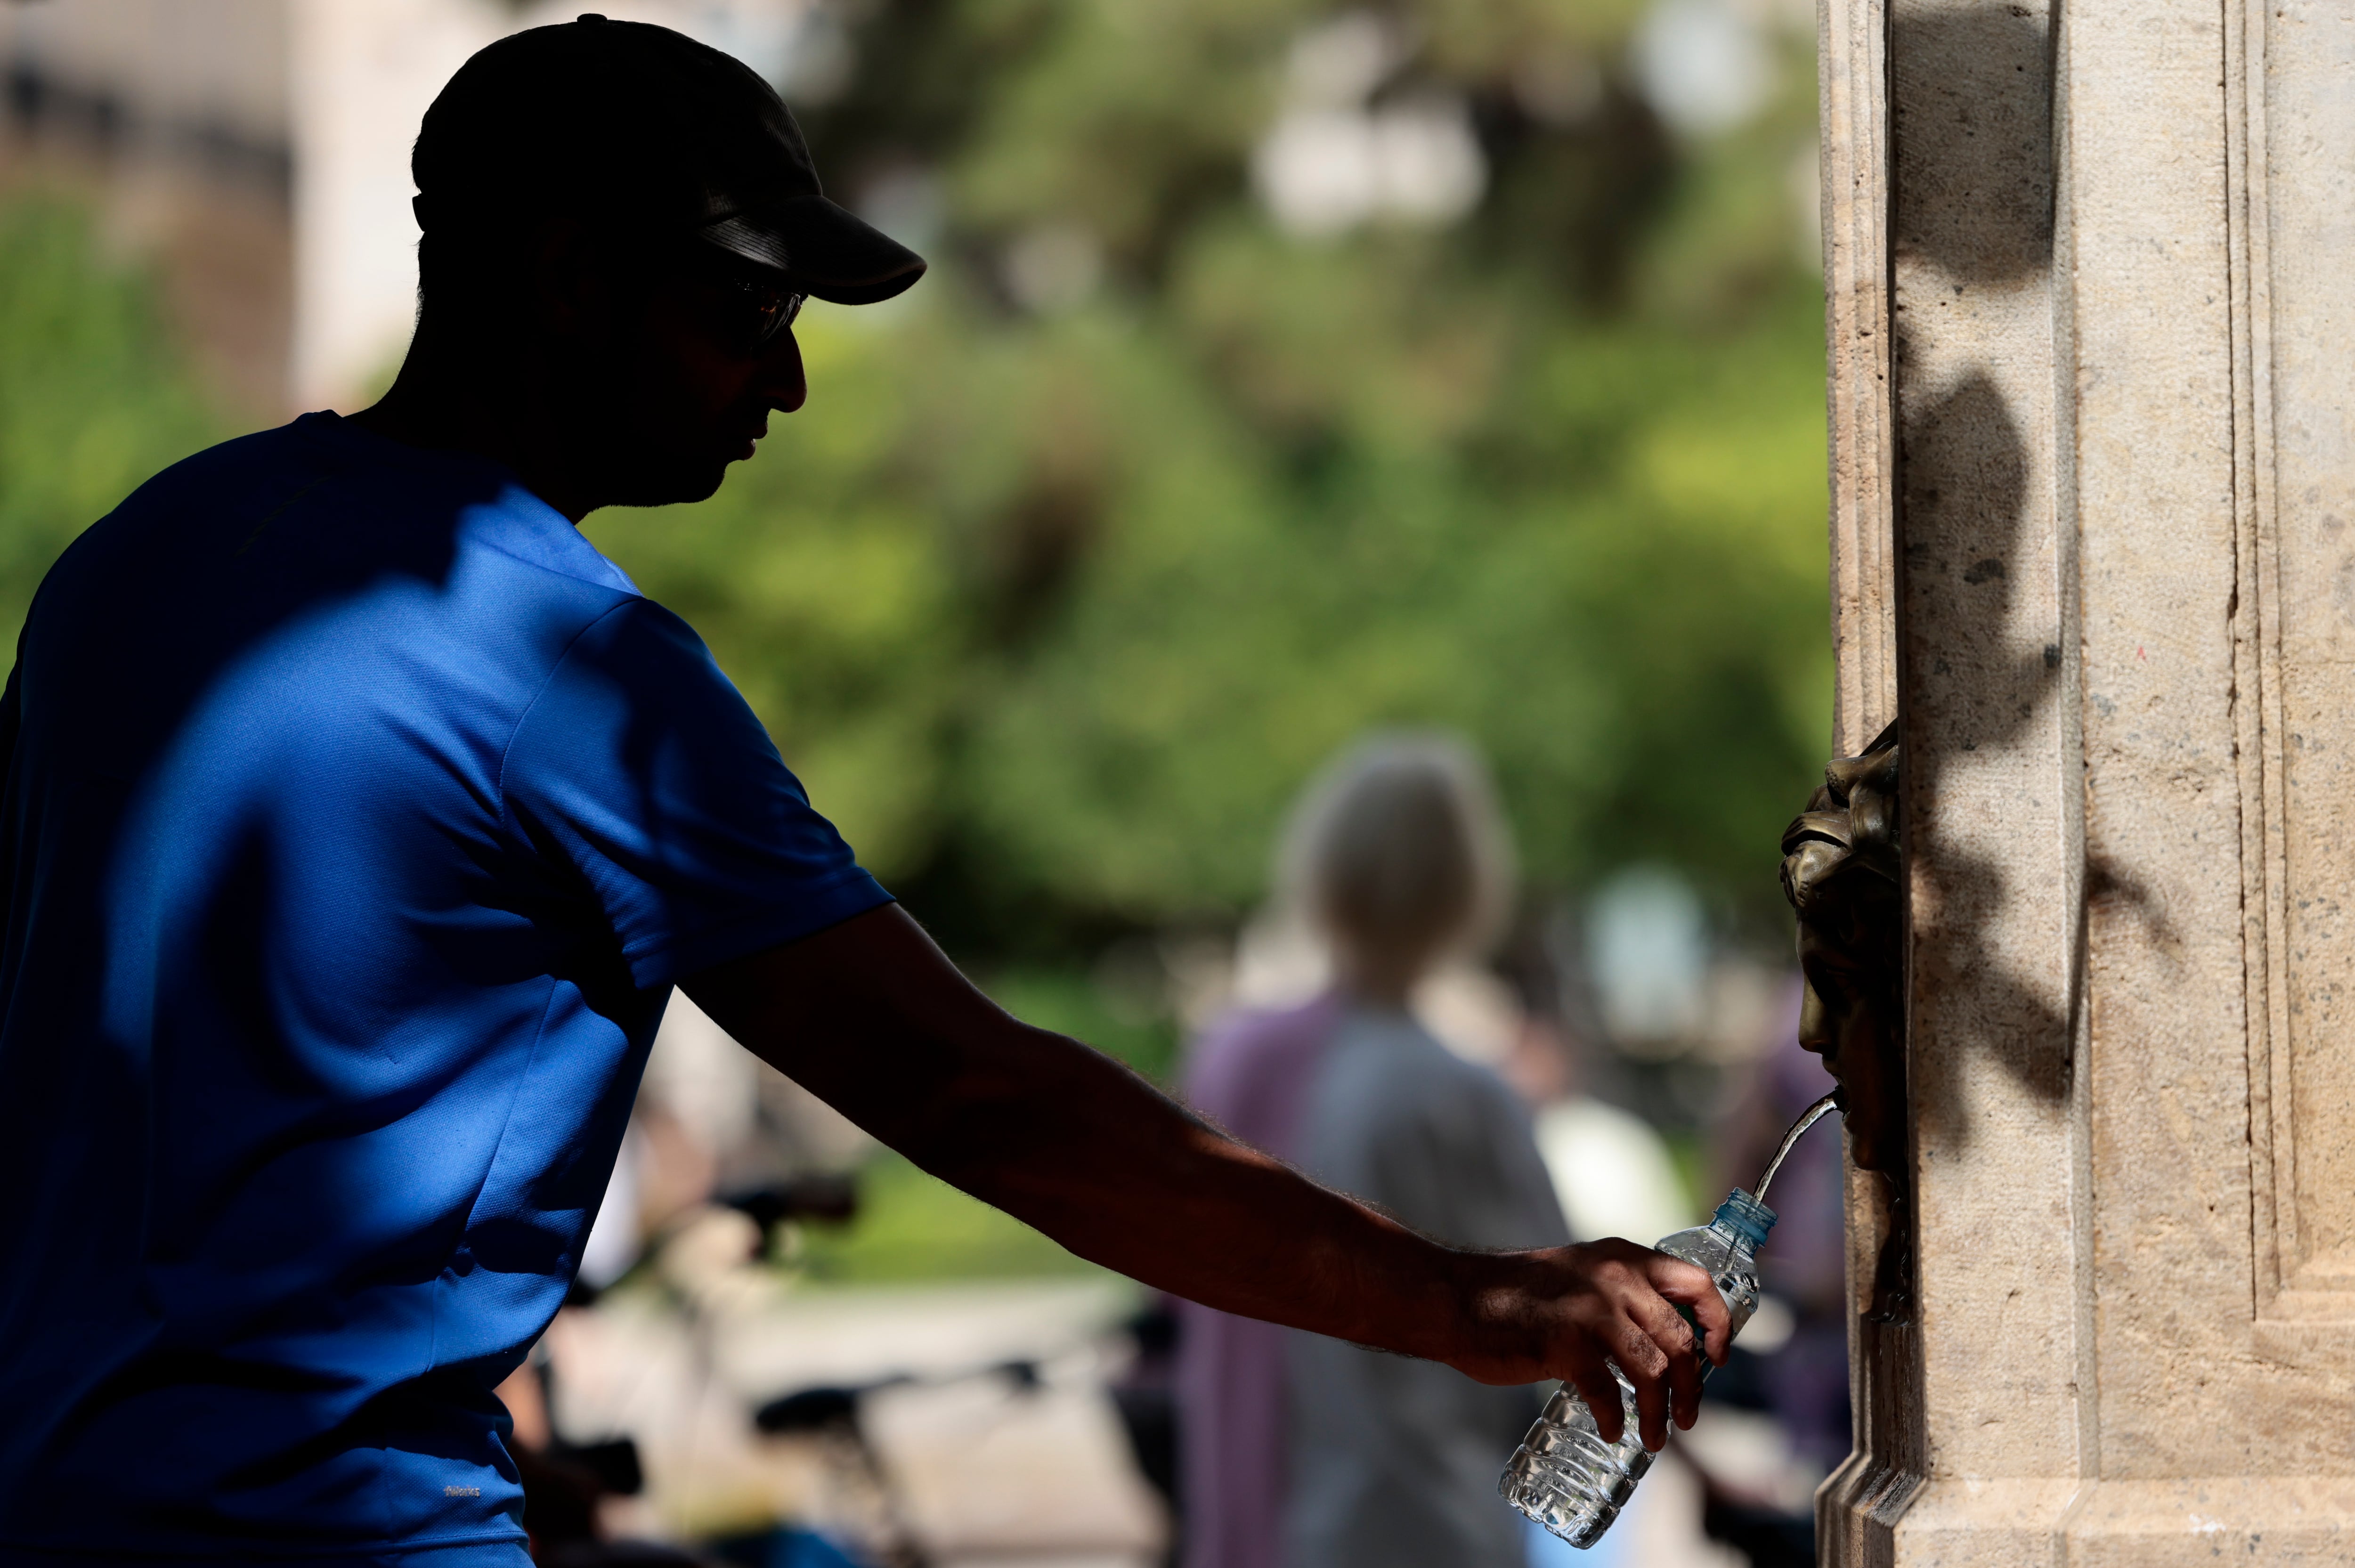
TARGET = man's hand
x,y
872,1019
1569,1312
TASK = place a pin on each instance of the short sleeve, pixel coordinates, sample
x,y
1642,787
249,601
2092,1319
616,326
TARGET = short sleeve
x,y
641,766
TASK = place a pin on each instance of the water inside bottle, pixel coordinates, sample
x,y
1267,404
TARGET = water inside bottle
x,y
1564,1475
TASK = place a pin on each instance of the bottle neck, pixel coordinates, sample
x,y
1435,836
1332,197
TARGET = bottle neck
x,y
1743,1221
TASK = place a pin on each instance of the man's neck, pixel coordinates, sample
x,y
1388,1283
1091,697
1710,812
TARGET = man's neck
x,y
496,410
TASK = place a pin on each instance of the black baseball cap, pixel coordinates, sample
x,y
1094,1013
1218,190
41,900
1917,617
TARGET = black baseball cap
x,y
648,132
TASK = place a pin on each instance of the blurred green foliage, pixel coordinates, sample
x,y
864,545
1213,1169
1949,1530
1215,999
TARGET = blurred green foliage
x,y
1128,1023
1054,604
93,398
1055,600
914,1228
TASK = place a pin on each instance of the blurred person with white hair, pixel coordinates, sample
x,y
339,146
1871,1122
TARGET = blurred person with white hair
x,y
1308,1452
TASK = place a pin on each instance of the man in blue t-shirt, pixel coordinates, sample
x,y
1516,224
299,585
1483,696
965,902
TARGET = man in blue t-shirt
x,y
360,817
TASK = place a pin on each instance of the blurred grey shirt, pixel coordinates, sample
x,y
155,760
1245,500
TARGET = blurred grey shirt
x,y
1393,1461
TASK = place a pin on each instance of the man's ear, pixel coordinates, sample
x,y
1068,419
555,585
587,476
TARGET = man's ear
x,y
571,288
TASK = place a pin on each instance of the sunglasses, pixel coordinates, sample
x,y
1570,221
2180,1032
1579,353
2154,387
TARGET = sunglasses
x,y
749,305
758,310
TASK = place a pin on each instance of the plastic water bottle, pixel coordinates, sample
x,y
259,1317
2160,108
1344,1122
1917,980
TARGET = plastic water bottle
x,y
1564,1475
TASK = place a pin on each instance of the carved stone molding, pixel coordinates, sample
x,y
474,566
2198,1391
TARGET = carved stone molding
x,y
1862,1502
1852,71
2293,223
2094,532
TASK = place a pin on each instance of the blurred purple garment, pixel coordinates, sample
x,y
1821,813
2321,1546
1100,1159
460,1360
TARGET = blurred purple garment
x,y
1807,1381
1251,1074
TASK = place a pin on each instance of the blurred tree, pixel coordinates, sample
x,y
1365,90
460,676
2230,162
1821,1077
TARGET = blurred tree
x,y
1284,370
1087,552
94,397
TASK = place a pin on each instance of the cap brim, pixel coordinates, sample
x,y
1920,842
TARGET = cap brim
x,y
831,252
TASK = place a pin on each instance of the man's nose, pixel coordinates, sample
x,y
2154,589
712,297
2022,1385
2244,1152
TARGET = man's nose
x,y
784,385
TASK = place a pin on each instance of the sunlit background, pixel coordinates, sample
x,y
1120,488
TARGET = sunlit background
x,y
1284,371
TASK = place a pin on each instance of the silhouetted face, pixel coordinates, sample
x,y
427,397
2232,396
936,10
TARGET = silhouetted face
x,y
1847,1015
1841,873
676,376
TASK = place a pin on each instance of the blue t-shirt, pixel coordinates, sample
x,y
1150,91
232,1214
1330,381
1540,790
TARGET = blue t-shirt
x,y
358,817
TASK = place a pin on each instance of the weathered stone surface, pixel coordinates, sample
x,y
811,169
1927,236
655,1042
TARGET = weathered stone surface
x,y
2119,622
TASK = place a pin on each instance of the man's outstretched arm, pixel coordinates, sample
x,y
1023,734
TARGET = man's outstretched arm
x,y
873,1018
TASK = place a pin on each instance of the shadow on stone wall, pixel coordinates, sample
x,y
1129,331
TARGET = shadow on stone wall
x,y
1972,134
1972,140
1967,538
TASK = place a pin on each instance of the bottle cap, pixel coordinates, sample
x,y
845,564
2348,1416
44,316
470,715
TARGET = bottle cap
x,y
1746,1217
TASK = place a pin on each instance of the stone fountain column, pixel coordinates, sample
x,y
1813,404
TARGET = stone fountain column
x,y
2091,297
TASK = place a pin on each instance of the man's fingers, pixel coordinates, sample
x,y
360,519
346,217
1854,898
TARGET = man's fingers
x,y
1684,1379
1681,1350
1647,1365
1592,1379
1689,1284
1627,1314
